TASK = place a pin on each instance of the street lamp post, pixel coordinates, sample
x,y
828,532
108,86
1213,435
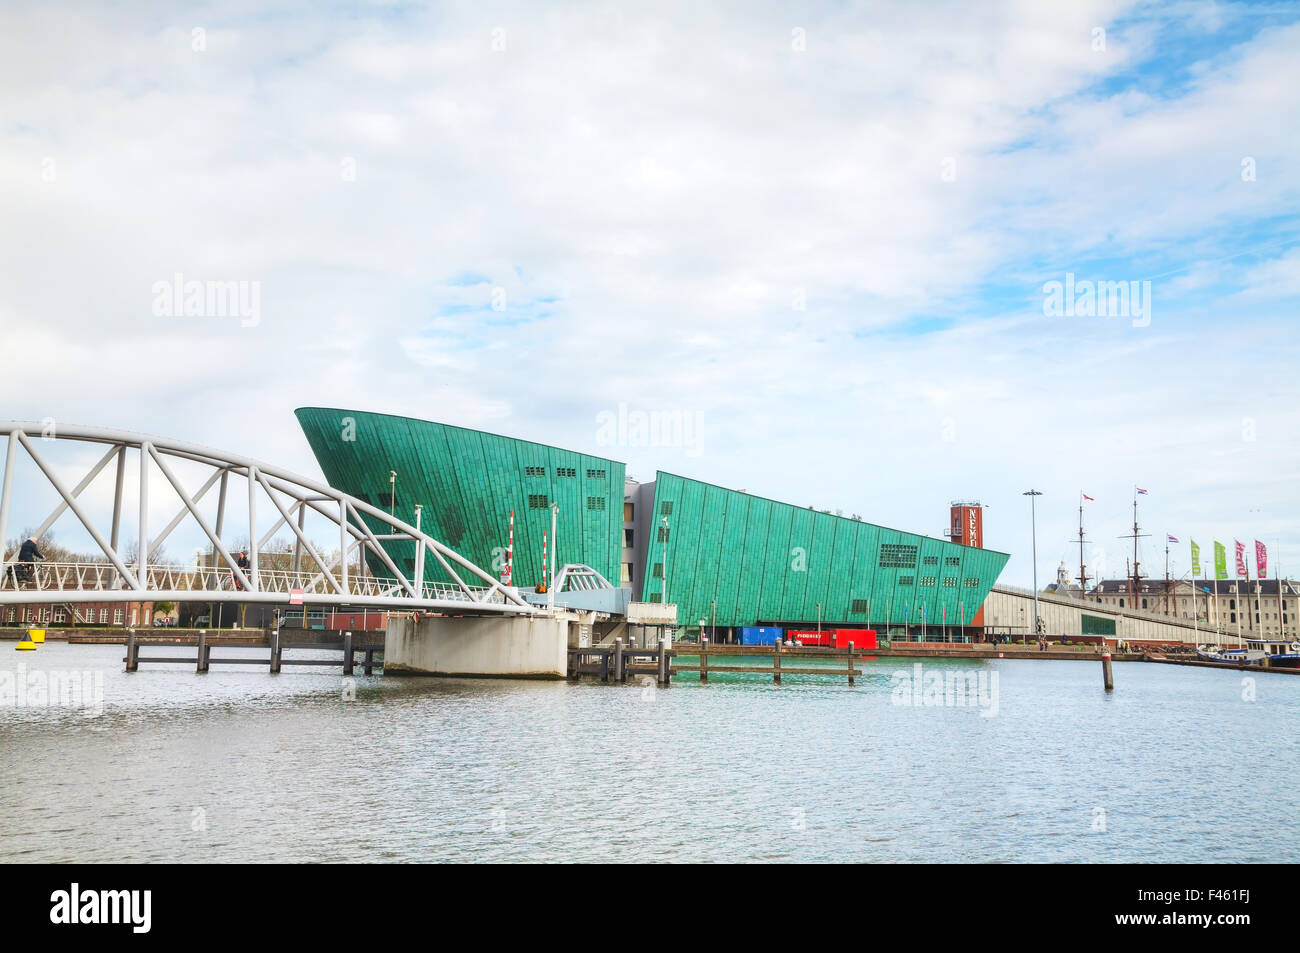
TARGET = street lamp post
x,y
392,491
555,557
1033,524
664,564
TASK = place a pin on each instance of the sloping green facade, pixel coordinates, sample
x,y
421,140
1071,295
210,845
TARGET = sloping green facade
x,y
468,481
764,561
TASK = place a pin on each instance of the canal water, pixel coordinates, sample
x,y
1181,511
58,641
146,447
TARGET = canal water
x,y
1178,764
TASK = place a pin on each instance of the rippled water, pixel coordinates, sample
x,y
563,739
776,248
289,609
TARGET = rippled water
x,y
239,765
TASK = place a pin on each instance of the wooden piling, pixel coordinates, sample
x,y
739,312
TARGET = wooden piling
x,y
347,653
370,662
1105,671
776,665
275,651
132,652
203,652
850,656
663,661
704,659
620,675
604,666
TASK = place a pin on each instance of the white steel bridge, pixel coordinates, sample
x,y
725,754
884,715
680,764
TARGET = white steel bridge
x,y
286,499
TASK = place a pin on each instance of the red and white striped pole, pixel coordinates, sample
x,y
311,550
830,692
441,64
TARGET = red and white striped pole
x,y
510,551
544,560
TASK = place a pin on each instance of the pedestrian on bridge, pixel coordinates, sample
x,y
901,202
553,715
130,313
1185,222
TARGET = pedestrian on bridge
x,y
27,556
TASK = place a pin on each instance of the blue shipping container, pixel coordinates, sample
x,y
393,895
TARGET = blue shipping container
x,y
759,635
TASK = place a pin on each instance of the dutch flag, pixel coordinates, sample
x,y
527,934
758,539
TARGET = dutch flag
x,y
1173,539
1141,492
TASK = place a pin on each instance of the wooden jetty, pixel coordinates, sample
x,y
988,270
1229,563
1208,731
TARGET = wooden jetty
x,y
204,658
615,663
777,669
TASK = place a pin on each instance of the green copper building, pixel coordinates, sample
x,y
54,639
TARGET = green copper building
x,y
724,556
467,482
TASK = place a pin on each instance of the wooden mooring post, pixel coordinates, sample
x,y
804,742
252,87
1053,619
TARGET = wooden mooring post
x,y
776,664
620,674
275,651
204,657
347,654
132,652
850,659
1105,671
704,658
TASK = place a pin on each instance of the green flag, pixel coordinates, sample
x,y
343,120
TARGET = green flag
x,y
1196,559
1220,561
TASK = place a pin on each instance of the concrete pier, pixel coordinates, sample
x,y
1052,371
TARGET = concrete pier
x,y
482,646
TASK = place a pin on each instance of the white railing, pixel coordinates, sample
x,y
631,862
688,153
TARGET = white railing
x,y
78,580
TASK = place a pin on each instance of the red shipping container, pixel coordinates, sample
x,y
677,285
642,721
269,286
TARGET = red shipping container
x,y
811,637
861,638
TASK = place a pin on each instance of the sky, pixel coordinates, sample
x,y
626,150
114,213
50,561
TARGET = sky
x,y
824,237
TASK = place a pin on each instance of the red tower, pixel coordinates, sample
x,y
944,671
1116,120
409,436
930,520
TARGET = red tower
x,y
967,523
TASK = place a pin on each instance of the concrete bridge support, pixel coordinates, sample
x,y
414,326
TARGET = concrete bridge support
x,y
484,646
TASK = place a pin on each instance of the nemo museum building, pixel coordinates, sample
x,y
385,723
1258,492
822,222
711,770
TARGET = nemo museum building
x,y
733,560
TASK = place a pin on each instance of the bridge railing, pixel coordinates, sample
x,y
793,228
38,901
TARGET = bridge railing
x,y
82,580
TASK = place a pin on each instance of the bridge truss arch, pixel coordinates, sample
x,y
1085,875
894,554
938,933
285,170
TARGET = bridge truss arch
x,y
120,577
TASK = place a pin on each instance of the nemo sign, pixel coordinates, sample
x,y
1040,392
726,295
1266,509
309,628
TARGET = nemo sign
x,y
968,526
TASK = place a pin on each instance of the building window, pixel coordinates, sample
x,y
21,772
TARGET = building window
x,y
119,616
895,556
859,605
103,617
595,474
45,614
627,511
135,615
1232,604
927,581
566,472
1121,603
930,561
658,571
950,582
656,597
663,535
625,574
60,615
535,471
627,539
537,501
1144,603
971,582
906,580
1233,617
595,502
666,507
951,561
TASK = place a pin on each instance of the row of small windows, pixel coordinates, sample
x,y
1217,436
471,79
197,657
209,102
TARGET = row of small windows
x,y
666,507
537,501
897,556
595,502
592,474
663,534
927,581
950,582
859,605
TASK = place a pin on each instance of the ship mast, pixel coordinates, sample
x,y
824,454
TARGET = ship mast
x,y
1083,576
1135,578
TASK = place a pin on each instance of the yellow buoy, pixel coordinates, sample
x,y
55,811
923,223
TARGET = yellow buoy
x,y
26,645
37,636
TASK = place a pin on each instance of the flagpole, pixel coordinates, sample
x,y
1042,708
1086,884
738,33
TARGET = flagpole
x,y
1277,574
